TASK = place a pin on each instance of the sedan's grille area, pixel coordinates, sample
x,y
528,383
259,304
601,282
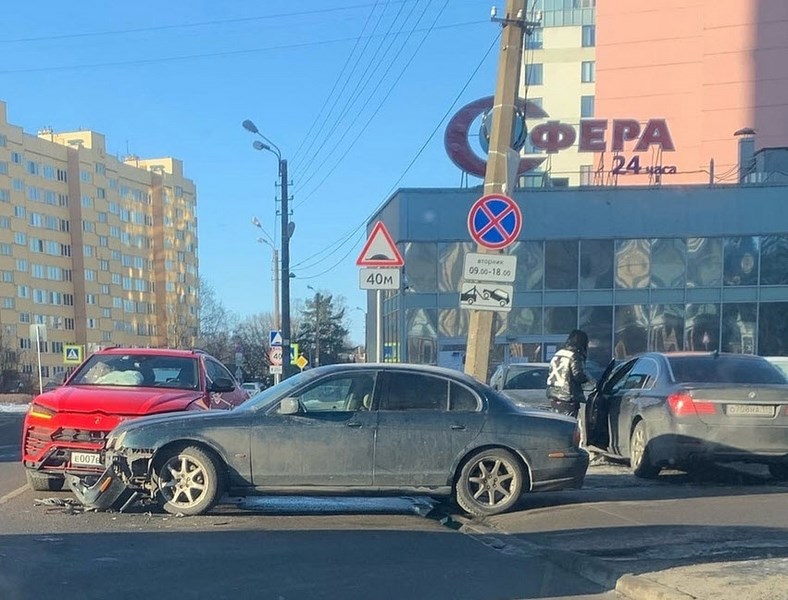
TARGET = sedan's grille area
x,y
36,440
80,435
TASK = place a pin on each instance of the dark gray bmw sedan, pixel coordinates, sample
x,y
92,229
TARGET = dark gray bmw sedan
x,y
346,429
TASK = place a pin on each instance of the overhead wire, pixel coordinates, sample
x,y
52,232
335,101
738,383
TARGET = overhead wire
x,y
360,88
66,36
343,240
319,115
142,61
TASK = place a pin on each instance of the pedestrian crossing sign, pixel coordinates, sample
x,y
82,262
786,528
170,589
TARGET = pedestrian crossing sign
x,y
72,354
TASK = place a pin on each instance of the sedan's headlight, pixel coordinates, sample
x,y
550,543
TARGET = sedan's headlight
x,y
115,442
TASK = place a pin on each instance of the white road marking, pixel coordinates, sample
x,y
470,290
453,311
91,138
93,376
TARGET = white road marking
x,y
14,494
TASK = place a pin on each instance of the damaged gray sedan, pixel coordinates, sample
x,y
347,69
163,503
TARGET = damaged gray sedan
x,y
349,430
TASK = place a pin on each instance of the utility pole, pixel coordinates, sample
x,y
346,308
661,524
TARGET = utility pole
x,y
317,329
285,270
275,271
496,179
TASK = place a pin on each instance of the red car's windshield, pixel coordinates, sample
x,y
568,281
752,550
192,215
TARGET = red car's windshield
x,y
139,370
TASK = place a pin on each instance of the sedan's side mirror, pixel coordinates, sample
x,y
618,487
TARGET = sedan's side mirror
x,y
289,406
221,385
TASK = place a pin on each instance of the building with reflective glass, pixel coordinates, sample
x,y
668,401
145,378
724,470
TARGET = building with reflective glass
x,y
667,268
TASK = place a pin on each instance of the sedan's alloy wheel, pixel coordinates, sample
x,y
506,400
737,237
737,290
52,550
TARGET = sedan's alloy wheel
x,y
489,483
188,482
639,459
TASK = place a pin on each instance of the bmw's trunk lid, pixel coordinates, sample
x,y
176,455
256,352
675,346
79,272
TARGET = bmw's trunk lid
x,y
740,404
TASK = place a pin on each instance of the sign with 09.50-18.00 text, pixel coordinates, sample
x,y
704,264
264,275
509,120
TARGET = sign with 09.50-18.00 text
x,y
500,268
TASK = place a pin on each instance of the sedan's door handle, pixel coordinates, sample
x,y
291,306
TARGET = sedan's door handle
x,y
458,427
354,424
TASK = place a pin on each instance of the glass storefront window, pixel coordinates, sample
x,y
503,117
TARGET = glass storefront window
x,y
740,261
559,319
421,267
773,329
596,264
666,327
524,321
738,328
597,322
560,259
702,327
668,263
632,263
451,258
530,265
704,262
422,335
774,260
631,330
453,322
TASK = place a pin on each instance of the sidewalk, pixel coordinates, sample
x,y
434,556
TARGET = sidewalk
x,y
15,402
670,539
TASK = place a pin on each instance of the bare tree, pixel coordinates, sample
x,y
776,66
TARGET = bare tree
x,y
251,339
216,325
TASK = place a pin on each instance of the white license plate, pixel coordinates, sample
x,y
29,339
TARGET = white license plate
x,y
749,410
86,459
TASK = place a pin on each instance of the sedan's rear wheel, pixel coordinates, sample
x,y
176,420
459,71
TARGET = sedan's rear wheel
x,y
779,471
188,481
489,483
639,455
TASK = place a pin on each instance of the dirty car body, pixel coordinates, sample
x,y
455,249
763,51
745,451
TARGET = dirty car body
x,y
65,428
686,409
347,429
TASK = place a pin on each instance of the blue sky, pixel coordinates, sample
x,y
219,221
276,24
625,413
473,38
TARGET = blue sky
x,y
178,78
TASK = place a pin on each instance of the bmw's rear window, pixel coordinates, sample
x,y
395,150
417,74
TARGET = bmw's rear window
x,y
723,369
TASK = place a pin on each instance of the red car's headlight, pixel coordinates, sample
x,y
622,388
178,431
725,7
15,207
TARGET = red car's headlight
x,y
41,412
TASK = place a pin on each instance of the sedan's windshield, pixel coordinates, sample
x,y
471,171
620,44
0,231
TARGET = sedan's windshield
x,y
277,392
728,369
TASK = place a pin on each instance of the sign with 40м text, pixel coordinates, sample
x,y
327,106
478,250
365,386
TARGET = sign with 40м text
x,y
379,279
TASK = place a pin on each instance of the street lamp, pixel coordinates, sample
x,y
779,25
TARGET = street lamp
x,y
317,325
268,241
287,232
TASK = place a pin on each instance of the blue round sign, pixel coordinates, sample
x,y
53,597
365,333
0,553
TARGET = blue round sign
x,y
495,221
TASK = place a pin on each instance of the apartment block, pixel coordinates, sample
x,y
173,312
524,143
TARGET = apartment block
x,y
99,250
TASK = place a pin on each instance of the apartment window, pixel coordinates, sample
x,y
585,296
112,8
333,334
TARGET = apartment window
x,y
22,291
68,299
105,289
32,167
87,226
68,323
85,177
586,174
8,277
588,71
20,212
57,347
87,201
65,249
92,324
534,74
9,303
5,195
101,193
103,241
586,106
534,40
20,237
90,275
101,169
25,343
103,264
5,250
49,172
91,299
21,265
106,313
3,167
589,36
16,158
3,140
5,223
178,191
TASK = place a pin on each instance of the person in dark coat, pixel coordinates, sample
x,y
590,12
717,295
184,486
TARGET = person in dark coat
x,y
568,374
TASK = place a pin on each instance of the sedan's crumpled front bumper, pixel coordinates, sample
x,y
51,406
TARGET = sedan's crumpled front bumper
x,y
98,494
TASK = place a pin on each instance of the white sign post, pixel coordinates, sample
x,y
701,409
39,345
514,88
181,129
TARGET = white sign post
x,y
39,332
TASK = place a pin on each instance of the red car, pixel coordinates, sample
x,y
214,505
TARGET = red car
x,y
65,428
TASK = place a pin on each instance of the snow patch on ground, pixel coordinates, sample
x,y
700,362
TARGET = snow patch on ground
x,y
13,408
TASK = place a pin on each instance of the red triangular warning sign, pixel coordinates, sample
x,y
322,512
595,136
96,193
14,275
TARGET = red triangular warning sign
x,y
380,251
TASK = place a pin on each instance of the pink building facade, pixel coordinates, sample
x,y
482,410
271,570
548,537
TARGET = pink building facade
x,y
709,67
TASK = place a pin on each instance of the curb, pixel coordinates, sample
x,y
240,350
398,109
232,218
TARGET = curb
x,y
635,587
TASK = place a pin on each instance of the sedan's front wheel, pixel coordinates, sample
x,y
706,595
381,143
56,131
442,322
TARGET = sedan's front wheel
x,y
188,481
639,453
489,483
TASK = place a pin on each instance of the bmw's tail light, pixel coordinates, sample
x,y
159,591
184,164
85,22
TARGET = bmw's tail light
x,y
576,438
41,412
682,405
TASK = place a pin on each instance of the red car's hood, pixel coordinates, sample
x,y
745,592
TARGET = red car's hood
x,y
115,400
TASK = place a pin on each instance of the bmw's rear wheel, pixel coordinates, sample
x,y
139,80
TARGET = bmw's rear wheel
x,y
639,455
489,483
188,481
43,482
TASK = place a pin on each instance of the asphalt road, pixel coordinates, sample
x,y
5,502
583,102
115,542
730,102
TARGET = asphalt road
x,y
287,549
283,549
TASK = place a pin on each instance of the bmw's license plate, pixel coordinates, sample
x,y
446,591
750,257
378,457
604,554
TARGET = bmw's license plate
x,y
86,459
749,410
